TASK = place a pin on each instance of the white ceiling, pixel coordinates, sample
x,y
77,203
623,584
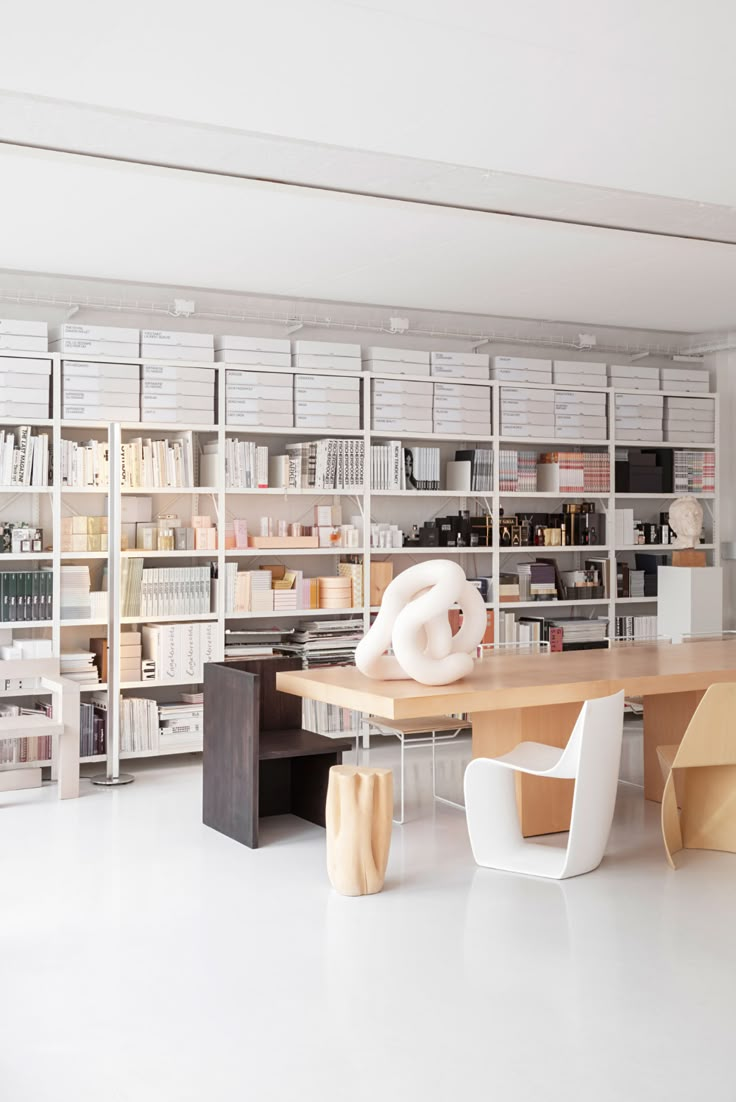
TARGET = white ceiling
x,y
122,222
635,95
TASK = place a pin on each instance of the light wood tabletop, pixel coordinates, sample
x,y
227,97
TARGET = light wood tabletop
x,y
502,682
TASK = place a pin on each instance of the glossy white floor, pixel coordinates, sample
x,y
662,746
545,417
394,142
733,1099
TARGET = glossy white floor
x,y
145,958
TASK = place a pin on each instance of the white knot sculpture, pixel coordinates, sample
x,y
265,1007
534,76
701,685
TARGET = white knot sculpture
x,y
413,621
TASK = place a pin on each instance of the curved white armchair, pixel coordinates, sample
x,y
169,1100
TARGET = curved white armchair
x,y
592,758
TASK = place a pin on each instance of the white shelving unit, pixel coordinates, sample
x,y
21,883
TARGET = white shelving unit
x,y
49,503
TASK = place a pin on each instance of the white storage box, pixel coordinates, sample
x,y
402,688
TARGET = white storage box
x,y
645,436
655,401
37,411
522,363
327,382
590,368
26,366
400,401
100,412
81,347
461,428
40,383
303,361
253,420
13,327
309,421
261,378
277,345
270,393
402,424
179,374
89,369
177,352
106,334
174,338
629,383
401,386
175,401
178,416
458,371
23,344
175,386
326,348
99,385
397,355
257,359
329,409
634,371
477,417
482,408
597,425
396,367
258,405
524,417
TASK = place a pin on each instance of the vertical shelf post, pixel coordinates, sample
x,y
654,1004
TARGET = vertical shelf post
x,y
112,776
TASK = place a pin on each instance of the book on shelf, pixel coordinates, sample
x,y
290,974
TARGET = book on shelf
x,y
92,730
329,464
170,461
562,633
179,651
26,595
20,751
85,464
517,471
181,723
79,666
75,592
24,457
635,628
168,591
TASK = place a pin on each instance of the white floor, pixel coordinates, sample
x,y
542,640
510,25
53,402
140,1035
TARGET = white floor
x,y
145,958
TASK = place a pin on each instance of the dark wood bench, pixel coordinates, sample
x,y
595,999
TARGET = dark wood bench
x,y
258,760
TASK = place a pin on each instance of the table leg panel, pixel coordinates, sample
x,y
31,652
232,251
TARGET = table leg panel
x,y
666,717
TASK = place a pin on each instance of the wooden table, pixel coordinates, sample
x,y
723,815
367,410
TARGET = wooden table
x,y
515,698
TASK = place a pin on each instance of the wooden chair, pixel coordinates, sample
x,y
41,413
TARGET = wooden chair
x,y
62,725
701,777
258,760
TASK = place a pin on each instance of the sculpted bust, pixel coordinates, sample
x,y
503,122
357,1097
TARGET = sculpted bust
x,y
686,520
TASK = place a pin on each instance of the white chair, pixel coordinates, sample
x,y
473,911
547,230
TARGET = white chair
x,y
591,758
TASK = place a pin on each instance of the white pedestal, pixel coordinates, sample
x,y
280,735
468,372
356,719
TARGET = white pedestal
x,y
689,601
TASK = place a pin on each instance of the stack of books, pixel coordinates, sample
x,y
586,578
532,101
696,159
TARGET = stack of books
x,y
181,723
284,600
254,643
581,634
129,655
79,666
260,591
75,589
508,588
21,750
138,724
24,458
85,463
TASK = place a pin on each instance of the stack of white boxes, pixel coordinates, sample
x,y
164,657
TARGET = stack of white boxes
x,y
633,376
580,415
253,351
402,406
638,417
178,395
688,379
25,388
576,373
690,420
23,336
105,341
326,356
527,413
163,344
326,402
254,398
459,365
462,410
100,391
396,361
521,369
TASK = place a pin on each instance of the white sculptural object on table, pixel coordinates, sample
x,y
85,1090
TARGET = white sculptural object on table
x,y
413,621
686,521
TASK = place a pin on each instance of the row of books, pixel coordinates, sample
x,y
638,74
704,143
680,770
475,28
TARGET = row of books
x,y
26,595
24,458
169,591
146,462
92,729
394,467
331,464
636,627
85,463
35,748
517,471
694,472
562,633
